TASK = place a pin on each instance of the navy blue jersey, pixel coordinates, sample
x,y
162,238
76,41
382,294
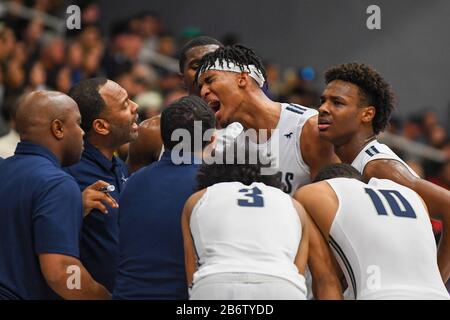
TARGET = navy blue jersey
x,y
99,239
41,212
151,260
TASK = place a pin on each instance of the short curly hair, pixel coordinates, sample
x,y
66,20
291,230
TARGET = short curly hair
x,y
375,91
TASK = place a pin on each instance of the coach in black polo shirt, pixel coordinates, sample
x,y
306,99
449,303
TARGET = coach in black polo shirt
x,y
109,121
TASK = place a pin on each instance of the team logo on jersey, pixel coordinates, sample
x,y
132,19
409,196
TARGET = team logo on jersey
x,y
289,135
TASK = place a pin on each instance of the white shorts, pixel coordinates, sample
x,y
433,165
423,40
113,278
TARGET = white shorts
x,y
245,286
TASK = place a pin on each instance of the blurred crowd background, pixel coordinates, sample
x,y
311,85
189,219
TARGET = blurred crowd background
x,y
140,51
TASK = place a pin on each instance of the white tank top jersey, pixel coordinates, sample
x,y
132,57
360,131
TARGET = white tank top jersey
x,y
293,170
383,241
252,229
376,151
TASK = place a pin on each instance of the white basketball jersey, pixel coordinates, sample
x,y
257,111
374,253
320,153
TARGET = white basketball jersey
x,y
284,146
382,238
376,151
253,229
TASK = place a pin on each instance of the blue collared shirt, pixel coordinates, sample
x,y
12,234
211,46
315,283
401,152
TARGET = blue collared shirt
x,y
41,212
151,259
100,232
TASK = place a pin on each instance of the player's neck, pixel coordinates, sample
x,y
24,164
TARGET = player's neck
x,y
260,113
348,151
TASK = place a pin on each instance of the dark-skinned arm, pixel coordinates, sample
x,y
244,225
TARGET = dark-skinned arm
x,y
190,259
325,282
54,267
436,198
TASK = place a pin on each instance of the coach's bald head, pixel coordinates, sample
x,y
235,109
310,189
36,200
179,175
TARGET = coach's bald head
x,y
51,119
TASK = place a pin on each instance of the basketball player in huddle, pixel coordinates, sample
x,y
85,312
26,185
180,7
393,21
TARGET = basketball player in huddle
x,y
231,80
356,106
380,234
244,238
148,147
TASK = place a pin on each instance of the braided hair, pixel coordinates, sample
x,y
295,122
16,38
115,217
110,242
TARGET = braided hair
x,y
238,54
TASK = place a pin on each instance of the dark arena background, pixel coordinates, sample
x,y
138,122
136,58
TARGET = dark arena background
x,y
56,45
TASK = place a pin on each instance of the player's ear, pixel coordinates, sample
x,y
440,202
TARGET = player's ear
x,y
368,114
242,79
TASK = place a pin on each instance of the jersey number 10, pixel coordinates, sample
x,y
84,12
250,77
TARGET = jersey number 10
x,y
390,195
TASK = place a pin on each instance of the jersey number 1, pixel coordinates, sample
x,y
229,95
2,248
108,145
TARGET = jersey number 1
x,y
407,211
254,198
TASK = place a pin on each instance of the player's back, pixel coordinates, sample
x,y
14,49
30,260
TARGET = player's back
x,y
382,238
253,229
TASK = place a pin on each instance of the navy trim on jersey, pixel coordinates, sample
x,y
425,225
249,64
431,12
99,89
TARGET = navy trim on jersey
x,y
372,151
296,106
341,254
296,109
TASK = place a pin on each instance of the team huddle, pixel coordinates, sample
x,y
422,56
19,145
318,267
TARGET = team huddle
x,y
324,211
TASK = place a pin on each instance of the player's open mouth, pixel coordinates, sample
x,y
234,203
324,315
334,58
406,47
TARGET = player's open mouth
x,y
323,124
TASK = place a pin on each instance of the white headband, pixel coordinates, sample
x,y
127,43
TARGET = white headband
x,y
252,71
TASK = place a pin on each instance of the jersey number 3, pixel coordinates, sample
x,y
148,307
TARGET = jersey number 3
x,y
253,198
394,199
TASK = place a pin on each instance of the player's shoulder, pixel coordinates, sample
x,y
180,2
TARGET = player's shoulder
x,y
193,200
382,168
311,190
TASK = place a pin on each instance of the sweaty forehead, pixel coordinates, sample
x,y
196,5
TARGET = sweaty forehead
x,y
342,89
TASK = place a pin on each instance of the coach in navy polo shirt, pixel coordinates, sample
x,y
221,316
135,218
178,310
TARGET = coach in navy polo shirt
x,y
151,258
41,205
109,120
